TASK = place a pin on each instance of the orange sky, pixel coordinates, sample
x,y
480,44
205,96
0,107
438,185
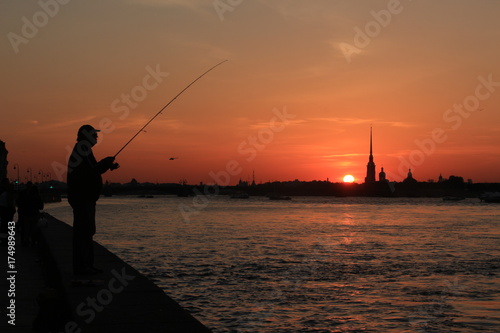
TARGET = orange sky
x,y
304,82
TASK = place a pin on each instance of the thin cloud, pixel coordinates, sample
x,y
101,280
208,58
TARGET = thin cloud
x,y
190,4
267,124
67,123
398,124
446,150
359,121
345,121
344,155
139,122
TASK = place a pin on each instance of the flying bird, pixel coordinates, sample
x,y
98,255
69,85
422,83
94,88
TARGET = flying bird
x,y
172,158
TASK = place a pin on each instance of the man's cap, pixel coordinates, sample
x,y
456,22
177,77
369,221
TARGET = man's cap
x,y
85,131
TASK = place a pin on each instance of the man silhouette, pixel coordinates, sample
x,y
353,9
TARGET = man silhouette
x,y
84,188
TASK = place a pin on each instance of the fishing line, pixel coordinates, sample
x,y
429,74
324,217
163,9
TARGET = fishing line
x,y
170,102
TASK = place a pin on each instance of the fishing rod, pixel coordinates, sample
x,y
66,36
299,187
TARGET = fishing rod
x,y
173,99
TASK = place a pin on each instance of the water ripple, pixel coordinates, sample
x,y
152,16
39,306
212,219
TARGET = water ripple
x,y
316,264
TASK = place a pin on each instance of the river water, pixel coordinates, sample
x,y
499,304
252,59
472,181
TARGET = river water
x,y
314,264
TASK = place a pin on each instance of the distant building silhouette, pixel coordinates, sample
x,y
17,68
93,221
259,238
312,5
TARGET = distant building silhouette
x,y
243,183
370,167
381,176
409,178
3,160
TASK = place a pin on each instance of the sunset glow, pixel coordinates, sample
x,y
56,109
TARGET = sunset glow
x,y
303,84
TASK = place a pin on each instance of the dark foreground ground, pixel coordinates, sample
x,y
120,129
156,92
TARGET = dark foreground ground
x,y
48,298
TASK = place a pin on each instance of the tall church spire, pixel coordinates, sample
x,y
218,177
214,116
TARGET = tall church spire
x,y
370,167
371,150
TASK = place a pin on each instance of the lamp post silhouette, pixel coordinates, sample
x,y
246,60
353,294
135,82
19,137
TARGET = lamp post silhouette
x,y
16,167
40,172
31,174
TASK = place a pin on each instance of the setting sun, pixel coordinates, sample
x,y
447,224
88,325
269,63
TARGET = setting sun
x,y
348,179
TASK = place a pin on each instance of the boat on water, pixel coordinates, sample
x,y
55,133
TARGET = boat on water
x,y
453,198
490,197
